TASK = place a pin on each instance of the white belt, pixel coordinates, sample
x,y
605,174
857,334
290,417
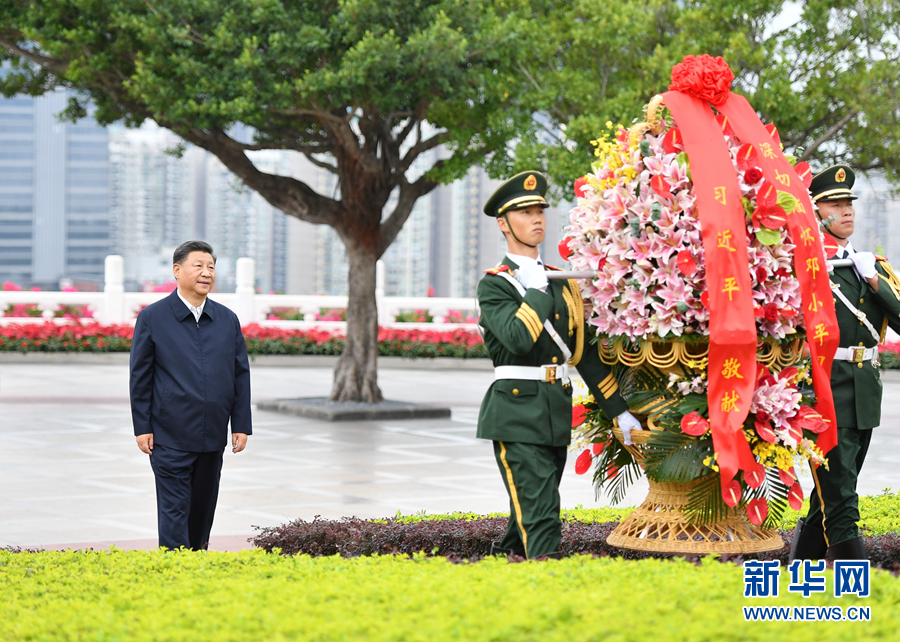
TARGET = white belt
x,y
549,374
857,354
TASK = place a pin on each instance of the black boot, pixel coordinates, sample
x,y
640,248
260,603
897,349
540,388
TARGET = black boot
x,y
808,543
496,550
850,549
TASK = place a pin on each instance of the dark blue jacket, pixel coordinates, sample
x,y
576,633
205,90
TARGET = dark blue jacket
x,y
187,378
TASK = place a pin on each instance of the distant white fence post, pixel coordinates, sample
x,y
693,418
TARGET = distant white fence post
x,y
113,290
245,277
384,316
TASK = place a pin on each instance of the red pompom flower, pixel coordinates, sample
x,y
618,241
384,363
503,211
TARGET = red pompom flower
x,y
704,77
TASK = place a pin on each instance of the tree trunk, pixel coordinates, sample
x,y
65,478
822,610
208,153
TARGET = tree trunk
x,y
356,373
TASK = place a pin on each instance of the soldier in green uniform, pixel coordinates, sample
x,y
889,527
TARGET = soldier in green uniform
x,y
534,332
867,301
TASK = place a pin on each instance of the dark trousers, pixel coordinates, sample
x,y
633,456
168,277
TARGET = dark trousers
x,y
834,504
187,487
531,474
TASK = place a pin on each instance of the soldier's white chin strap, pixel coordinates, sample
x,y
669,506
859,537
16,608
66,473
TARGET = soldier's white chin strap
x,y
513,232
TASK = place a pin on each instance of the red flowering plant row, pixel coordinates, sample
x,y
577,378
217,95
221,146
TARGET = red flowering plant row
x,y
93,337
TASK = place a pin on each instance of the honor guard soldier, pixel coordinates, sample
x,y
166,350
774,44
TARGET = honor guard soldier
x,y
534,332
867,301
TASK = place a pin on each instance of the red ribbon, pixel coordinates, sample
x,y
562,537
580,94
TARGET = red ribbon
x,y
821,324
732,327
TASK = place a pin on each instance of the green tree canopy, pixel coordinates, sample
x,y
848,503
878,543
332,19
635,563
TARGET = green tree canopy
x,y
826,73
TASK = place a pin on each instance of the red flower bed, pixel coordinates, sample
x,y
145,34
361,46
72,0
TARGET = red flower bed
x,y
94,337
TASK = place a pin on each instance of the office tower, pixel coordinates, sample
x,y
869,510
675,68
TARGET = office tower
x,y
153,200
54,184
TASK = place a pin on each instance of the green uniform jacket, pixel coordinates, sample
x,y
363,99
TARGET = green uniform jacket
x,y
537,412
857,386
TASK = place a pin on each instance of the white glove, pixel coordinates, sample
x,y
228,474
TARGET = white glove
x,y
532,275
864,263
627,422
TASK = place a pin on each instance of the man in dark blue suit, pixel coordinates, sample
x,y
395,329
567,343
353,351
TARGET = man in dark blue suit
x,y
189,377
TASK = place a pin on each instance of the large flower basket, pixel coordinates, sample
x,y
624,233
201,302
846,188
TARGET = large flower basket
x,y
710,278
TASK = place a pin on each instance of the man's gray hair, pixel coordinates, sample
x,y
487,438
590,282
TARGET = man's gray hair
x,y
182,251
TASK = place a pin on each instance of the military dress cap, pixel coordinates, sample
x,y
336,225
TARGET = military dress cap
x,y
832,184
522,190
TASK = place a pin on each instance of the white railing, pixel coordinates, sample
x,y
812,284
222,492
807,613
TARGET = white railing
x,y
114,305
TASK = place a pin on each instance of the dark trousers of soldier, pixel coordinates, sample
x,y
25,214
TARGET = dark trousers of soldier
x,y
531,474
834,505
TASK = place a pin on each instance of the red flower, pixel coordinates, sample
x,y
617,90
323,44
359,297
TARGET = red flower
x,y
578,414
747,157
564,250
771,313
722,119
579,186
599,448
795,496
703,76
758,510
770,216
764,430
753,175
693,424
672,141
755,476
808,419
831,247
704,299
787,477
804,172
761,274
767,196
686,263
731,493
787,373
583,463
660,186
773,131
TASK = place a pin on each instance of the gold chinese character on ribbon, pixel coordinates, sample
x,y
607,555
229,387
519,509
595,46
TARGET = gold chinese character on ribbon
x,y
725,241
766,149
729,402
799,208
814,304
812,265
730,287
820,334
806,236
730,369
720,194
784,179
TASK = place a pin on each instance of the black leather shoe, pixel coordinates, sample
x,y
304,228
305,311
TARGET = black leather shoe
x,y
808,543
850,549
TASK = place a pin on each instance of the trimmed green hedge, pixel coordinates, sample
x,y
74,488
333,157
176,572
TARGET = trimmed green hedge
x,y
140,596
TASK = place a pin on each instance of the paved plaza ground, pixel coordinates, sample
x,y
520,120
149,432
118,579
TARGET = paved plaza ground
x,y
71,474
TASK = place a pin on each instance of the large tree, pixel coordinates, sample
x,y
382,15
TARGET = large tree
x,y
827,73
362,88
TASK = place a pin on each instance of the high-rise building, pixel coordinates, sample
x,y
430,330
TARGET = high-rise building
x,y
877,218
54,185
153,200
241,223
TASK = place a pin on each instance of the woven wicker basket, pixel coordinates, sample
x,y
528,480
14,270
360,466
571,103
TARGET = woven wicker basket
x,y
658,525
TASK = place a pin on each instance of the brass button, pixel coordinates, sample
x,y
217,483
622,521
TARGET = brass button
x,y
862,300
859,365
555,359
861,344
516,390
557,314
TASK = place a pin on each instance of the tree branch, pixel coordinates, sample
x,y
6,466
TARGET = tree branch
x,y
409,194
420,148
8,40
315,161
824,138
289,195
